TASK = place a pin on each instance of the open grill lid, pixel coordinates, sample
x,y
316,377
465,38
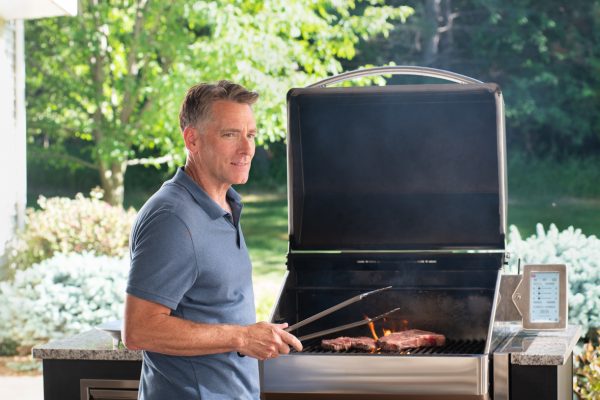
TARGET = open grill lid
x,y
407,167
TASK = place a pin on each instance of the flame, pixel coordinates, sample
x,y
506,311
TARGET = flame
x,y
386,331
372,328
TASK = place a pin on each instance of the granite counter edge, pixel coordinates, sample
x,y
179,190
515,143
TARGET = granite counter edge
x,y
90,345
86,354
570,338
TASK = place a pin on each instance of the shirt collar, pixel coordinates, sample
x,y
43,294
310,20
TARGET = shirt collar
x,y
204,200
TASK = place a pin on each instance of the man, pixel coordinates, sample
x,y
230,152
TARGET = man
x,y
190,303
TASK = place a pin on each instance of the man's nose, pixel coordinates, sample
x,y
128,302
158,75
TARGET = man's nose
x,y
246,145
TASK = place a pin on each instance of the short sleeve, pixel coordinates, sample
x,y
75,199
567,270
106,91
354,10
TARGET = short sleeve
x,y
163,260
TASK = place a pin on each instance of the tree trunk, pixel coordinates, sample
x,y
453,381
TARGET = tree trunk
x,y
438,21
431,35
112,178
448,46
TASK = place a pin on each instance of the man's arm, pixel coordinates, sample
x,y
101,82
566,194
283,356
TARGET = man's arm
x,y
150,326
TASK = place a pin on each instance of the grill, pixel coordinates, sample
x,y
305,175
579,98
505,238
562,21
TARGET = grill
x,y
401,186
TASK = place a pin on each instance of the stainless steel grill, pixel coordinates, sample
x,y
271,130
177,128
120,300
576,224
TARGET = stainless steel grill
x,y
401,186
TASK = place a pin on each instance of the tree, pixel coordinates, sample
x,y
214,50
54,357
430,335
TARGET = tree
x,y
109,81
547,58
544,55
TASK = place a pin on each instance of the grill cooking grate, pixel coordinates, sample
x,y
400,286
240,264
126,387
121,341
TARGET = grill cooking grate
x,y
451,347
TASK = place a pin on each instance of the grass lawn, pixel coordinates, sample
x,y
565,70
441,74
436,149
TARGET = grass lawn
x,y
265,229
579,213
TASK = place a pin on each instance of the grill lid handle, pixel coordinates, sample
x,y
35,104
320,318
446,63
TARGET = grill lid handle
x,y
396,70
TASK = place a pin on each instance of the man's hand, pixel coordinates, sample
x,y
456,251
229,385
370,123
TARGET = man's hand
x,y
264,340
149,326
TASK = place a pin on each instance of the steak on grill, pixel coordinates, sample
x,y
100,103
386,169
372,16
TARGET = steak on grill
x,y
344,343
363,343
341,343
398,341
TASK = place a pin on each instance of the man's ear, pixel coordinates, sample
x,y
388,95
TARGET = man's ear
x,y
190,137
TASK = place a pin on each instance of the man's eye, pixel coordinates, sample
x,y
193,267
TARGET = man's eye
x,y
228,134
252,136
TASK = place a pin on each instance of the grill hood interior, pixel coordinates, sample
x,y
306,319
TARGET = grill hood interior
x,y
396,168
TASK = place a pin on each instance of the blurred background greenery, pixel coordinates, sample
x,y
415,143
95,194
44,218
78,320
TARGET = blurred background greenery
x,y
103,91
103,88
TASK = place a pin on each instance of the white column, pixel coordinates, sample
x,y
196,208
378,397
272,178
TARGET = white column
x,y
13,138
21,128
13,178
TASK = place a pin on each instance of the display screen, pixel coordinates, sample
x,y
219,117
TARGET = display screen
x,y
544,297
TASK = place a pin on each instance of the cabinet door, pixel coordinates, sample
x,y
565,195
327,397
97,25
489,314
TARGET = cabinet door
x,y
109,389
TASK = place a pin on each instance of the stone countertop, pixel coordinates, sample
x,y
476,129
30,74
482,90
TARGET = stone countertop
x,y
525,348
91,345
542,347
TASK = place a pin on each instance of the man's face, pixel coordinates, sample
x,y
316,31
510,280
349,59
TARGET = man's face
x,y
226,142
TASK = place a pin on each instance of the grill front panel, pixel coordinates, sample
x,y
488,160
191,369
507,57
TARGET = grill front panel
x,y
326,373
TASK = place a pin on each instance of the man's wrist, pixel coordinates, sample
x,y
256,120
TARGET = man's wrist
x,y
239,339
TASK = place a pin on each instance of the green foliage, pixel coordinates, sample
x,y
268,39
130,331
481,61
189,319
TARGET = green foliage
x,y
269,169
29,365
64,295
8,346
580,253
64,225
587,371
544,55
109,81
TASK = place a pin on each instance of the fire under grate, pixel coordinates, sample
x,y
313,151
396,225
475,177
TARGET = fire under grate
x,y
452,347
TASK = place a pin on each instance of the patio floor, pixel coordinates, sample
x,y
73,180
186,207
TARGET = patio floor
x,y
21,387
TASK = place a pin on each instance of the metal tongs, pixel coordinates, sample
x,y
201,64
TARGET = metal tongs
x,y
335,308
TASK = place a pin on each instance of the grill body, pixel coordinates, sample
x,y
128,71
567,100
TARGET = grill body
x,y
402,186
453,294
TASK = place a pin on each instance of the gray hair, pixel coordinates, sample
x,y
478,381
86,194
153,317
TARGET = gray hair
x,y
199,99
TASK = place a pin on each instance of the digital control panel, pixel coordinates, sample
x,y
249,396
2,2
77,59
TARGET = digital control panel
x,y
541,297
544,297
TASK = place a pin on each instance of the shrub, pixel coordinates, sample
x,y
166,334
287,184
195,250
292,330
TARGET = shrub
x,y
581,254
63,295
8,346
587,371
64,225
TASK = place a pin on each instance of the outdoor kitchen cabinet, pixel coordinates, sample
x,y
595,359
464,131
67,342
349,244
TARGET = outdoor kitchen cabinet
x,y
87,366
91,379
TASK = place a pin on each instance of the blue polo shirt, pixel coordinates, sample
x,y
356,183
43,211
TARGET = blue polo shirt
x,y
188,254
